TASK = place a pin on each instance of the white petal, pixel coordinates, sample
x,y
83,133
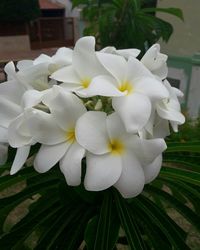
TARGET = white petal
x,y
45,129
19,133
24,64
8,111
134,110
161,72
103,86
65,107
66,74
128,52
31,98
147,150
115,126
3,153
20,158
70,164
84,60
91,132
135,69
153,59
3,135
161,128
42,59
151,87
12,90
152,170
10,70
174,126
63,57
131,181
178,92
35,76
170,114
48,156
102,171
71,87
114,64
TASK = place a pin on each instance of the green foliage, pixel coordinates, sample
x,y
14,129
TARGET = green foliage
x,y
126,23
62,217
19,10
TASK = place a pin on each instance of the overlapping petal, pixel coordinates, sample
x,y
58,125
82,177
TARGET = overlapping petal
x,y
49,155
91,132
134,110
131,181
102,171
70,164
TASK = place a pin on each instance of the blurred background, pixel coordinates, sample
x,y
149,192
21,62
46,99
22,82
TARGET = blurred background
x,y
28,28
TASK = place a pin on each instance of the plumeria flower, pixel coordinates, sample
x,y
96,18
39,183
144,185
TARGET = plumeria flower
x,y
62,58
85,66
136,85
156,61
169,109
56,133
115,157
126,53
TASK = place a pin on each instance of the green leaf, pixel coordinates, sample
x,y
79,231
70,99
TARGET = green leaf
x,y
183,147
127,220
173,11
181,174
102,231
167,226
193,218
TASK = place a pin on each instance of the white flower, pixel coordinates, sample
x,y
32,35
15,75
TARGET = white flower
x,y
132,86
85,66
169,109
56,133
156,61
115,157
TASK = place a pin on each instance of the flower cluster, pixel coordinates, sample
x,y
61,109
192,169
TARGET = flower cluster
x,y
106,106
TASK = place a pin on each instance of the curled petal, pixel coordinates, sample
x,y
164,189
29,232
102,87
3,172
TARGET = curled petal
x,y
102,171
131,181
134,110
91,132
20,158
170,114
70,164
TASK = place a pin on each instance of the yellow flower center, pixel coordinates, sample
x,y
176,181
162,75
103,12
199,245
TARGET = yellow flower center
x,y
126,86
116,147
70,135
85,82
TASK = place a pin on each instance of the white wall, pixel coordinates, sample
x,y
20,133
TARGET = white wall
x,y
185,40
